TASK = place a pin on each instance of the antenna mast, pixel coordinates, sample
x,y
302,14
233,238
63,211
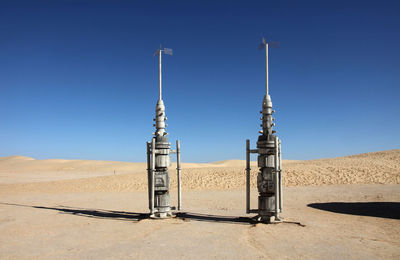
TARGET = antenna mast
x,y
265,44
266,67
159,75
159,53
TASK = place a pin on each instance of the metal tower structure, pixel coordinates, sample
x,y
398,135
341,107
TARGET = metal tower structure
x,y
158,158
269,178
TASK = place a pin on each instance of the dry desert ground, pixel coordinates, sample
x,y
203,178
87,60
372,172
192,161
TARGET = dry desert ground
x,y
338,208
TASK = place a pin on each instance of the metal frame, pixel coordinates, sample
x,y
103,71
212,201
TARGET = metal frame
x,y
149,170
277,187
151,152
248,169
178,172
248,178
278,178
153,169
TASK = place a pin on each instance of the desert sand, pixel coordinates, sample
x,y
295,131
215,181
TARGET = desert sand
x,y
347,207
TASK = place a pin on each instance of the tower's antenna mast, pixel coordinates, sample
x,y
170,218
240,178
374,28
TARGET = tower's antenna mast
x,y
159,74
265,44
159,53
266,66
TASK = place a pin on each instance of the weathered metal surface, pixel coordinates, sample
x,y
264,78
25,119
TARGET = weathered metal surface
x,y
269,179
158,159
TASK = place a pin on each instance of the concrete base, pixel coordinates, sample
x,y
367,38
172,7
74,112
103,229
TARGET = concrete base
x,y
161,215
268,219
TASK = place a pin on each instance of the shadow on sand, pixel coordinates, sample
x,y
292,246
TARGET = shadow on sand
x,y
213,218
372,209
92,213
132,216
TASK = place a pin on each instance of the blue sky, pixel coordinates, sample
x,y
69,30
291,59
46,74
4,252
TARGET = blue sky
x,y
78,79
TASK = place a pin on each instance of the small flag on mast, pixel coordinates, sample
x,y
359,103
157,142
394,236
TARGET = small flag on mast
x,y
168,51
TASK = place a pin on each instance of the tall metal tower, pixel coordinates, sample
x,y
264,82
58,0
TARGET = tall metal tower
x,y
158,158
269,178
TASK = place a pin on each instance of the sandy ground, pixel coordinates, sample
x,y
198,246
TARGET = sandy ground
x,y
346,208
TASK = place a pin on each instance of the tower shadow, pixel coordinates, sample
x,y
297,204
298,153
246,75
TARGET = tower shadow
x,y
373,209
185,216
136,217
92,213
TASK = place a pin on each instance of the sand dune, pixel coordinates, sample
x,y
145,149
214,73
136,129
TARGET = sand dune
x,y
22,169
26,174
79,209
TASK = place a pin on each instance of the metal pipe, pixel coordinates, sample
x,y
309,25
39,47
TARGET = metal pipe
x,y
280,178
178,171
276,180
248,176
148,172
159,74
153,169
266,69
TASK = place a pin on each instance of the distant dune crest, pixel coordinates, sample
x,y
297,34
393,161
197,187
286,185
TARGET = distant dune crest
x,y
16,157
21,173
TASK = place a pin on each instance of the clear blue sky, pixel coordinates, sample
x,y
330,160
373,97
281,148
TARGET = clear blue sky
x,y
78,79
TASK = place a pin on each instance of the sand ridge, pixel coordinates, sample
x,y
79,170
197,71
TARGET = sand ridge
x,y
22,174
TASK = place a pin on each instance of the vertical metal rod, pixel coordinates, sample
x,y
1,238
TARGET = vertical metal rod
x,y
280,178
248,176
159,74
153,169
148,172
276,180
266,69
178,172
